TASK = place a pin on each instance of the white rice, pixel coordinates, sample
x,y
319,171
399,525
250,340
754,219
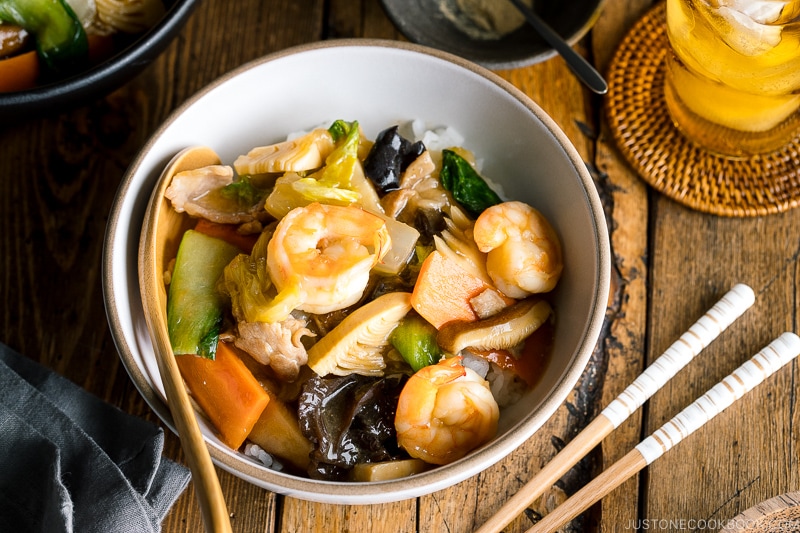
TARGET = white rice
x,y
258,453
437,138
507,388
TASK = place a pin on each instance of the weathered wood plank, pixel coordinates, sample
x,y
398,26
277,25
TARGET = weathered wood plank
x,y
626,202
723,467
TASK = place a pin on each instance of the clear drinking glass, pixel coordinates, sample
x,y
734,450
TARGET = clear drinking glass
x,y
733,74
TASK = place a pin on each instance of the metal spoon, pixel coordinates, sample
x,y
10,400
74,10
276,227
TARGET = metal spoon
x,y
576,62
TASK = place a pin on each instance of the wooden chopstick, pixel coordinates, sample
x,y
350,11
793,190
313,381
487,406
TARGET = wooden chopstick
x,y
708,327
742,380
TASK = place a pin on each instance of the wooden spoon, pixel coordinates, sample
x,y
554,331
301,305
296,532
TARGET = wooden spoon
x,y
161,233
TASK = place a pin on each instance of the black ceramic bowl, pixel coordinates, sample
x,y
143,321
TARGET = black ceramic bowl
x,y
103,78
424,22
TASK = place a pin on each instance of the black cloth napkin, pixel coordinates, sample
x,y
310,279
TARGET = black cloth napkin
x,y
70,462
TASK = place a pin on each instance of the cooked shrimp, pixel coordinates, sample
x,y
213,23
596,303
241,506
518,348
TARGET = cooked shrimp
x,y
523,250
320,257
445,411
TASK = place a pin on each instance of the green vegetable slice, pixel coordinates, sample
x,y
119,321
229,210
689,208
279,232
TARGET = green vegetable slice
x,y
468,187
333,182
247,283
61,41
415,339
243,192
194,306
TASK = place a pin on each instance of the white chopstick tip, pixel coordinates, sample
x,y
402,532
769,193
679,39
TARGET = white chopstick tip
x,y
731,306
787,346
749,375
745,293
707,328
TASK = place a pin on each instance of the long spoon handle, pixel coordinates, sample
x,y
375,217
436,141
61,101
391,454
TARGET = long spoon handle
x,y
204,476
576,62
707,328
744,379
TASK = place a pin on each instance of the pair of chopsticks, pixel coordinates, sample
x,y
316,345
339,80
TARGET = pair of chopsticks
x,y
771,358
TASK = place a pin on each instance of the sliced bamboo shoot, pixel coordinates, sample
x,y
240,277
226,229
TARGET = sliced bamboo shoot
x,y
357,344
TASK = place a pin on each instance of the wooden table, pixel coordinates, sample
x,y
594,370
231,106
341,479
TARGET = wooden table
x,y
60,174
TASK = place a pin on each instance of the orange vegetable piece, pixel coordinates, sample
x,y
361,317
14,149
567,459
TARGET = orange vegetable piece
x,y
443,291
101,47
228,233
19,72
231,398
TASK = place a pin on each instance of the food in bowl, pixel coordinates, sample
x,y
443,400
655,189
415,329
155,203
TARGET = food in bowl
x,y
42,41
380,83
357,309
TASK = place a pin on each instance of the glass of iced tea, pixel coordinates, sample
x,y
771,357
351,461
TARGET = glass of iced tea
x,y
733,73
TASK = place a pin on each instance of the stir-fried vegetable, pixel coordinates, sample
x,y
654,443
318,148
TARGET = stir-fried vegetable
x,y
194,306
243,192
19,72
228,233
387,470
297,155
444,291
60,38
333,181
389,157
357,344
529,362
415,339
227,392
349,419
468,187
503,330
246,282
371,315
277,431
340,181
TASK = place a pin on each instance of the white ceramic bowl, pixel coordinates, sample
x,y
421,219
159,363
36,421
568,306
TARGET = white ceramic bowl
x,y
379,83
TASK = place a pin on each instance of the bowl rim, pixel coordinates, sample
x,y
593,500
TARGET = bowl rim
x,y
104,77
547,52
435,479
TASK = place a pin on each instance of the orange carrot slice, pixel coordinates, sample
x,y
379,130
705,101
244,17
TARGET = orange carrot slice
x,y
19,73
228,233
231,398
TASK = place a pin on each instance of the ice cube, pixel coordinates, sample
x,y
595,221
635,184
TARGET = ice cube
x,y
760,11
745,35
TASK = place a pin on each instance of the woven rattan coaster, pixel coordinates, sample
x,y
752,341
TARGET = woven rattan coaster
x,y
669,162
